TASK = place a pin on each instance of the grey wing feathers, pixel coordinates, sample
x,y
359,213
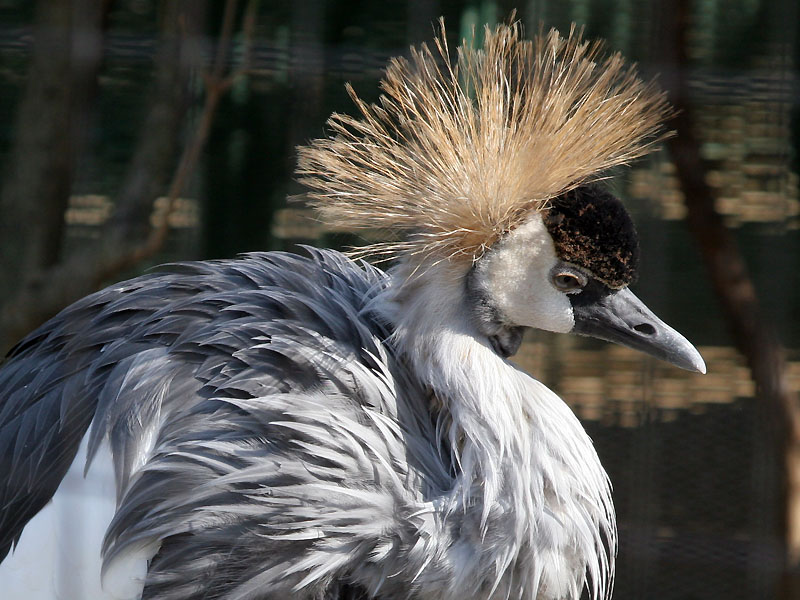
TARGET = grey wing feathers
x,y
270,413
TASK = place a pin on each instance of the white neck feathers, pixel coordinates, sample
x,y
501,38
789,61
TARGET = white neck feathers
x,y
529,477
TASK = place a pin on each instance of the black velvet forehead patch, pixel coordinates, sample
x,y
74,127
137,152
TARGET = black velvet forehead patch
x,y
592,229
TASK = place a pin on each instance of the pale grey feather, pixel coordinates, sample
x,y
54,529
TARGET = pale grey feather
x,y
277,431
249,370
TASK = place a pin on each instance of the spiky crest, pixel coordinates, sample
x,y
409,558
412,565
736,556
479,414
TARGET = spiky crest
x,y
455,155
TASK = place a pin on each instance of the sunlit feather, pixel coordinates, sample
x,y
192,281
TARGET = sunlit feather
x,y
455,155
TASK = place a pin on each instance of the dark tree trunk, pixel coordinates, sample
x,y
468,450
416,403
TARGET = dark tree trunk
x,y
752,332
179,57
38,279
307,69
50,132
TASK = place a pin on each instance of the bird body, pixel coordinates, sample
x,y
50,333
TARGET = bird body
x,y
290,457
313,427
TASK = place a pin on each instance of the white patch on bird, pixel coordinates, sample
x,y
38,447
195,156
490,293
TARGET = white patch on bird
x,y
123,578
59,553
515,275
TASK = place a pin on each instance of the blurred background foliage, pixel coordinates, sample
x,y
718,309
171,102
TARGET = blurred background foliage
x,y
134,132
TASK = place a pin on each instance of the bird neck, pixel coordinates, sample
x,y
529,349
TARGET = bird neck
x,y
479,395
526,469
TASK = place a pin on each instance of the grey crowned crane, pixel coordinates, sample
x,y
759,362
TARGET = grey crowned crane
x,y
287,426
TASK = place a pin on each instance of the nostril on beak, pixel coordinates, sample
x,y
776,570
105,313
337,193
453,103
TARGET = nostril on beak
x,y
645,329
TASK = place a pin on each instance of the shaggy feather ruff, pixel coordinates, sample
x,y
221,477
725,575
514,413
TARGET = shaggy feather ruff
x,y
531,502
456,155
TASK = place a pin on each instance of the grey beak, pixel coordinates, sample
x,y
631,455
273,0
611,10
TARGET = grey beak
x,y
622,318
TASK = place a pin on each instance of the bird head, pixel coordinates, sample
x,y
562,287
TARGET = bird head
x,y
492,163
567,270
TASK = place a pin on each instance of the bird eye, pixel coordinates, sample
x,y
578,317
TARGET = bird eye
x,y
568,281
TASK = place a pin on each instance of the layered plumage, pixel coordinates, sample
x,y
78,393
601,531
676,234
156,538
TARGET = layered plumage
x,y
269,441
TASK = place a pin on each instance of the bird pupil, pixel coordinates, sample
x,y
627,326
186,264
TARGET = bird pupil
x,y
568,281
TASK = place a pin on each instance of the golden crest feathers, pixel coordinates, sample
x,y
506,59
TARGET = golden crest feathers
x,y
455,155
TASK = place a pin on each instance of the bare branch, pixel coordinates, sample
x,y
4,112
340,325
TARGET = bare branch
x,y
753,334
216,86
47,290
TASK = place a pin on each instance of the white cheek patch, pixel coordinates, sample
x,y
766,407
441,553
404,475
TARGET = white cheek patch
x,y
515,275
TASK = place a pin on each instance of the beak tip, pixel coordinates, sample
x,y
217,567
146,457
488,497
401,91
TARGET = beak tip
x,y
696,362
701,367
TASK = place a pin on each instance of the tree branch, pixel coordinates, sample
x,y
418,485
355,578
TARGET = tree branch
x,y
753,334
216,85
49,133
47,290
